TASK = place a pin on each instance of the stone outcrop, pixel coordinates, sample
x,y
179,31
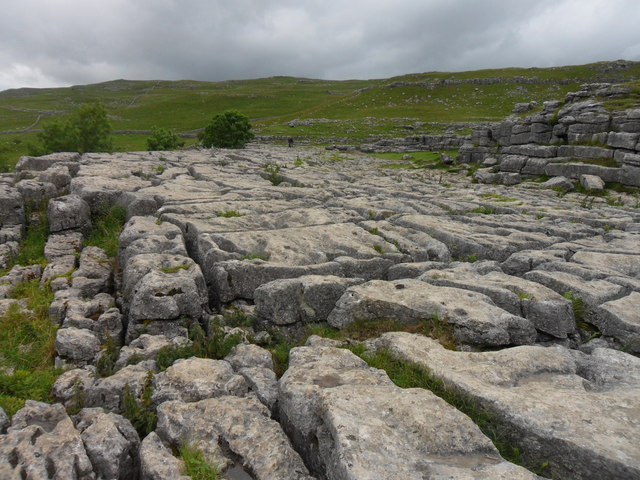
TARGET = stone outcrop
x,y
578,139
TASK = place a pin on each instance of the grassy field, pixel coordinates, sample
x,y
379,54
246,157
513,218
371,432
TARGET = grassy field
x,y
421,103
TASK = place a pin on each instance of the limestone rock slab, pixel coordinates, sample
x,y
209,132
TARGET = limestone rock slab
x,y
547,401
474,317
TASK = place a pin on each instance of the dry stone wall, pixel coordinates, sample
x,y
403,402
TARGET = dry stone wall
x,y
540,293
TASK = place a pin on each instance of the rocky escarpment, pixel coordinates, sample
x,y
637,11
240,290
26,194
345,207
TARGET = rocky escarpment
x,y
539,292
572,141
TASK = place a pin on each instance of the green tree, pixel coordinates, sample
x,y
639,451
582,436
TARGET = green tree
x,y
230,129
87,130
163,139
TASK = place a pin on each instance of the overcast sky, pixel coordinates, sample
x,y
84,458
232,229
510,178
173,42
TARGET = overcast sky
x,y
47,43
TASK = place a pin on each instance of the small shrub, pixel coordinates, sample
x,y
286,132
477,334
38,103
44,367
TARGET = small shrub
x,y
107,361
87,130
274,174
163,139
140,411
229,129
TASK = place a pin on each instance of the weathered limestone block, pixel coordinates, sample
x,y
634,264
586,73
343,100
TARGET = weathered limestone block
x,y
309,298
146,235
483,241
522,262
12,211
582,151
592,292
263,382
235,279
548,401
157,462
243,424
70,387
94,274
36,192
547,310
623,140
630,175
350,421
43,443
249,356
474,317
368,268
102,191
562,183
194,379
62,245
512,163
574,170
78,346
108,392
146,347
58,175
68,213
626,264
620,319
591,182
46,161
111,443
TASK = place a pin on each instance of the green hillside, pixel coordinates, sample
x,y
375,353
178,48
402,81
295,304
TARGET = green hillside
x,y
335,110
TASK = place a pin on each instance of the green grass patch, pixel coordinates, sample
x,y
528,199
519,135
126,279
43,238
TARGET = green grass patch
x,y
105,229
195,464
229,214
27,348
175,269
36,235
256,256
482,210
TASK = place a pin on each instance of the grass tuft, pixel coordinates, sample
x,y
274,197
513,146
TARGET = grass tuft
x,y
195,464
106,228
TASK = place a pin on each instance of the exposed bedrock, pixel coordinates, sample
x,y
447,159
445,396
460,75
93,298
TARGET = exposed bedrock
x,y
550,402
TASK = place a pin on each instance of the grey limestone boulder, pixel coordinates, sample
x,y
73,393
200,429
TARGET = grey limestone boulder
x,y
474,317
68,213
12,212
194,379
77,346
591,182
42,442
57,175
548,401
36,192
620,319
46,161
147,347
350,421
108,392
309,298
243,425
111,443
249,355
562,183
70,387
157,462
547,310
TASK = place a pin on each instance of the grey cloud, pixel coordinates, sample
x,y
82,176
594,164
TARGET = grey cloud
x,y
83,41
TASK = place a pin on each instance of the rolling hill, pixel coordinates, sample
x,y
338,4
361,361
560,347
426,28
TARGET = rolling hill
x,y
319,111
